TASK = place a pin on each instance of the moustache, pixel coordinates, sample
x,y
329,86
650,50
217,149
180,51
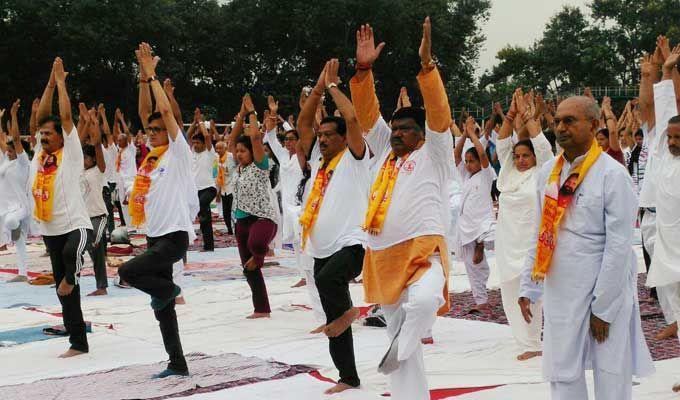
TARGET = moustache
x,y
396,141
44,141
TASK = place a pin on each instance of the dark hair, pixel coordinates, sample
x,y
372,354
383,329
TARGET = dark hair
x,y
89,151
416,114
294,132
340,125
24,144
154,116
603,131
245,141
52,118
639,133
498,120
473,152
273,156
674,120
198,137
527,143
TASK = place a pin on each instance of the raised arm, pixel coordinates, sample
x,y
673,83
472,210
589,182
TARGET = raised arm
x,y
254,130
144,102
64,101
648,76
206,136
362,87
471,133
96,140
437,109
3,136
45,105
355,138
170,92
305,123
611,122
270,123
508,119
33,121
148,63
14,130
83,120
460,144
238,128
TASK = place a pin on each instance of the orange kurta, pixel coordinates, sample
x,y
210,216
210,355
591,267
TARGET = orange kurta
x,y
389,271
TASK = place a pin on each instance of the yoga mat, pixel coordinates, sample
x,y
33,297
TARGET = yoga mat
x,y
28,335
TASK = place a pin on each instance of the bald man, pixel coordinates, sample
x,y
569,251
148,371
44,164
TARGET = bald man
x,y
583,264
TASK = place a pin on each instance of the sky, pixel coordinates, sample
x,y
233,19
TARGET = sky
x,y
519,23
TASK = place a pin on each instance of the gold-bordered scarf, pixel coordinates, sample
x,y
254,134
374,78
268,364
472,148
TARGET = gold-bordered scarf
x,y
556,201
381,194
321,181
140,188
221,169
43,185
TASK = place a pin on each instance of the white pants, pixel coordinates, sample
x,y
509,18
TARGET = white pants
x,y
478,274
608,386
126,216
669,299
527,336
178,272
648,230
411,317
12,221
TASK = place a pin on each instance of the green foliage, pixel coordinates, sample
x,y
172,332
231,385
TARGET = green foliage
x,y
216,51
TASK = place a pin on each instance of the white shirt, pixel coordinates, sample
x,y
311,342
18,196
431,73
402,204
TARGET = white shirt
x,y
203,168
110,154
128,168
172,201
68,208
476,207
420,198
343,208
91,184
13,182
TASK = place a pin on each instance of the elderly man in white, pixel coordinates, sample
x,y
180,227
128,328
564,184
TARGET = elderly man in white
x,y
586,264
664,272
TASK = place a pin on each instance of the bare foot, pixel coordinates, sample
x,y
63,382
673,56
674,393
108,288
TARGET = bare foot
x,y
676,387
670,331
71,353
340,325
256,315
180,300
18,278
318,330
478,257
3,247
302,282
250,264
529,354
340,387
99,292
480,309
427,340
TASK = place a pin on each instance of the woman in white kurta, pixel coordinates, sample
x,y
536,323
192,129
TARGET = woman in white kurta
x,y
475,228
14,201
517,218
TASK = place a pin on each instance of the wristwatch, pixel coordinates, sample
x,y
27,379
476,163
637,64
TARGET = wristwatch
x,y
151,79
331,85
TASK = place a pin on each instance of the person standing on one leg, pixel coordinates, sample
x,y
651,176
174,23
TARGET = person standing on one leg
x,y
110,154
14,202
163,198
476,220
406,266
332,216
92,180
253,208
59,209
224,183
582,253
203,159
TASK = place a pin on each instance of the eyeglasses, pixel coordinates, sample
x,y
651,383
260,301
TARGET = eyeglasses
x,y
155,129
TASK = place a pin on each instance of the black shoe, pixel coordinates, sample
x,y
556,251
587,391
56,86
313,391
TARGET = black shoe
x,y
169,372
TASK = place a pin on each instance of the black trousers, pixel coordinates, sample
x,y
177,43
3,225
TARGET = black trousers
x,y
97,250
66,256
227,202
151,272
118,204
205,197
106,194
332,276
648,259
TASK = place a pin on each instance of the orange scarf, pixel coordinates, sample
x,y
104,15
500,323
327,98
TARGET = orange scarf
x,y
221,169
119,159
321,181
556,201
381,194
43,185
142,184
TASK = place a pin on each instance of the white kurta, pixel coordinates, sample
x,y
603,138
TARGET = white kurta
x,y
517,207
476,219
593,270
13,183
290,175
665,267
